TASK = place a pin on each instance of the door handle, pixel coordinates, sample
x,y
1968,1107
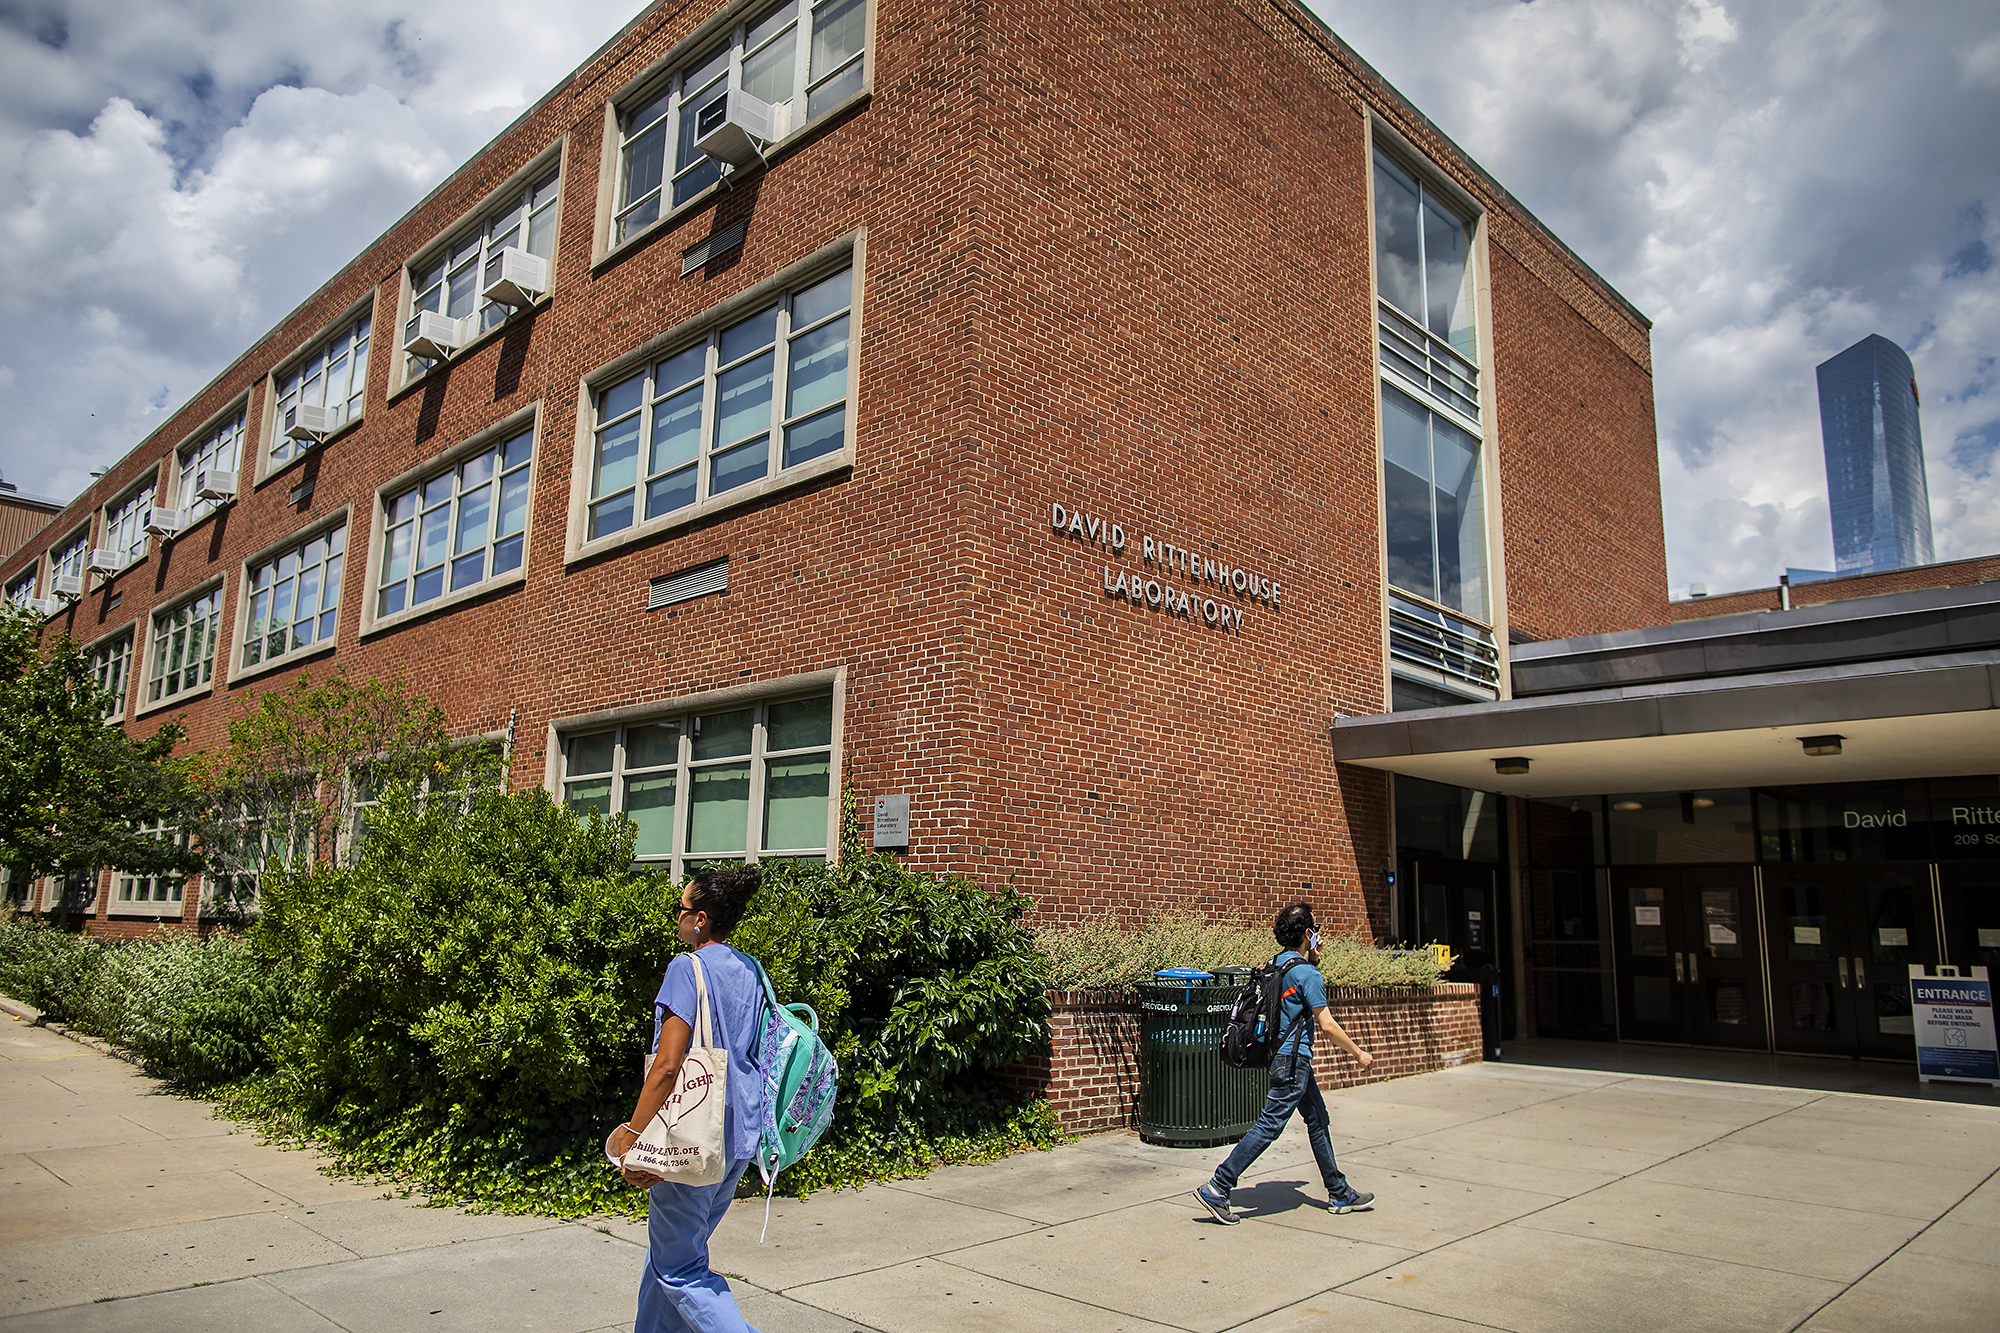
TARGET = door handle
x,y
1860,973
1843,971
1694,973
1680,973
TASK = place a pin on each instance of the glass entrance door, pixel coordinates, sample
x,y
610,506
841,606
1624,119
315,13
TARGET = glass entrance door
x,y
1689,966
1842,938
1970,895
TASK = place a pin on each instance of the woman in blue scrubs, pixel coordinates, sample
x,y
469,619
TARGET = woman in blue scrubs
x,y
680,1291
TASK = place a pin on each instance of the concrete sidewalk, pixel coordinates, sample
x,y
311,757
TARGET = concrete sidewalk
x,y
1515,1196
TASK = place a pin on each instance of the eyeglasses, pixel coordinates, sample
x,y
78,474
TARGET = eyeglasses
x,y
680,911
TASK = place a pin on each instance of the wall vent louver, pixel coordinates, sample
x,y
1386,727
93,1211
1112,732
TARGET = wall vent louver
x,y
688,584
721,243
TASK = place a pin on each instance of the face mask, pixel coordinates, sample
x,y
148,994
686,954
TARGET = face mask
x,y
1315,941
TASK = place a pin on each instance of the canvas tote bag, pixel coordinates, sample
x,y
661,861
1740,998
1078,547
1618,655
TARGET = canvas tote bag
x,y
684,1141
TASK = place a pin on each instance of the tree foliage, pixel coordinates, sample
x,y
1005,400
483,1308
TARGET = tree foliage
x,y
302,758
75,792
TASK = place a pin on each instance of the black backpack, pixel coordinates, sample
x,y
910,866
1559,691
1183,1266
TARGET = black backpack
x,y
1251,1039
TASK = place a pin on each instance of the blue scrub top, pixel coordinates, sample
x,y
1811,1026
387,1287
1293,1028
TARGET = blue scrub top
x,y
736,1019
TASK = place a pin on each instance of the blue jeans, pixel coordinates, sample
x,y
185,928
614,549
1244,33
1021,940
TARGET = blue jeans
x,y
1292,1089
679,1291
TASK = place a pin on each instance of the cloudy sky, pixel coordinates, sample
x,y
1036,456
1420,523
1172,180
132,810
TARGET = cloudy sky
x,y
1769,181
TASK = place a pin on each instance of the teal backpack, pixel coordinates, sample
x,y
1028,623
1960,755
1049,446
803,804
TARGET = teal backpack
x,y
800,1078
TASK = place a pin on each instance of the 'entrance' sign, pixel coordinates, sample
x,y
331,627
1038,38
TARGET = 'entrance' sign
x,y
1954,1021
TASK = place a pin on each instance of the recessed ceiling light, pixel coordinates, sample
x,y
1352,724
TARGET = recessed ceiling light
x,y
1703,802
1626,805
1513,766
1819,746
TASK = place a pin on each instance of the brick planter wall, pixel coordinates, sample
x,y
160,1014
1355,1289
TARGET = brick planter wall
x,y
1091,1071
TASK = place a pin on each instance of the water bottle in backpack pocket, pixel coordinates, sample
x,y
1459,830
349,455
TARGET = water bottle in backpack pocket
x,y
1250,1039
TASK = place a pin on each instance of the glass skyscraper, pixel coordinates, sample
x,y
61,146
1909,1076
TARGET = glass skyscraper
x,y
1874,458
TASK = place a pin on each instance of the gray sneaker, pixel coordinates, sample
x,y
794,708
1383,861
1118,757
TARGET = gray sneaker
x,y
1354,1201
1217,1205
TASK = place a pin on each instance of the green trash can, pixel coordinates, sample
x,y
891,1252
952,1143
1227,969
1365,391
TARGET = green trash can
x,y
1188,1098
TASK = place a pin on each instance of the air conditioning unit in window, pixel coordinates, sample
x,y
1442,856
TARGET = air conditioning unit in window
x,y
67,585
433,336
164,522
307,422
515,278
104,561
217,485
735,127
45,606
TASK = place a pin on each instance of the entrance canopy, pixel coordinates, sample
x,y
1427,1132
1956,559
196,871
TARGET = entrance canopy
x,y
1909,682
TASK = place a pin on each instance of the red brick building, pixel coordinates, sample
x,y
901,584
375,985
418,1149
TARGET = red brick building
x,y
1062,415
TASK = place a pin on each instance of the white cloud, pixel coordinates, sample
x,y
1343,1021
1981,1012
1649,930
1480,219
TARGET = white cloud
x,y
179,174
1770,183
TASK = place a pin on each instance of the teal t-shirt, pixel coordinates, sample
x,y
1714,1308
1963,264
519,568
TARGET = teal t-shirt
x,y
1305,991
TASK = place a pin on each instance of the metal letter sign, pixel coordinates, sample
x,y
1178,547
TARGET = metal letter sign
x,y
1954,1025
892,821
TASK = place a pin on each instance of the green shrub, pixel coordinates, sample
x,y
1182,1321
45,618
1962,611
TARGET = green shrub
x,y
1098,953
480,985
196,1011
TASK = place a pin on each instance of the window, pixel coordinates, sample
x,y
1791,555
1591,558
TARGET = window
x,y
111,668
245,848
125,524
217,451
129,892
333,375
183,643
22,590
450,283
471,766
461,527
707,415
1436,516
1420,256
67,560
801,45
1425,284
294,598
746,784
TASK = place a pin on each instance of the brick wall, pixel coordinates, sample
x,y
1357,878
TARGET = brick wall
x,y
1948,574
1117,257
1090,1074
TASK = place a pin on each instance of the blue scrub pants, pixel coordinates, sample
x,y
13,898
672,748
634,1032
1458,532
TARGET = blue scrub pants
x,y
679,1291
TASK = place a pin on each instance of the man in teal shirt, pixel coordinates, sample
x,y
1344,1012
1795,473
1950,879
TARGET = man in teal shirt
x,y
1293,1087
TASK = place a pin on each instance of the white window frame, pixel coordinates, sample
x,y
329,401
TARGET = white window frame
x,y
528,421
661,106
467,247
163,894
22,590
100,660
337,522
848,253
214,883
159,642
125,521
354,329
217,446
71,555
758,758
364,799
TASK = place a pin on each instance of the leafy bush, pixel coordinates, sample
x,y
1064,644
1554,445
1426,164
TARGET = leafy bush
x,y
479,986
1098,953
198,1011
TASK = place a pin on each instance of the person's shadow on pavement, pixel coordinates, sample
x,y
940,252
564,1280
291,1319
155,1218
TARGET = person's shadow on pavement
x,y
1269,1197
